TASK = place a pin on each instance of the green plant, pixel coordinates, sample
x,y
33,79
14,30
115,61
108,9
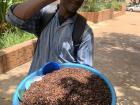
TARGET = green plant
x,y
90,5
108,5
10,37
95,5
117,4
4,5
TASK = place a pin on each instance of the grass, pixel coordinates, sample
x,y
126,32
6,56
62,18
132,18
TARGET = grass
x,y
117,5
10,38
9,35
96,5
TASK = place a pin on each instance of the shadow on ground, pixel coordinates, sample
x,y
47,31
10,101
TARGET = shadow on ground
x,y
75,96
7,87
117,55
9,82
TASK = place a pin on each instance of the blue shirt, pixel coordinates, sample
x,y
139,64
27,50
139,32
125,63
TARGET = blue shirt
x,y
55,42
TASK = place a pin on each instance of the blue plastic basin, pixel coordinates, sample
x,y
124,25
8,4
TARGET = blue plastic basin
x,y
52,66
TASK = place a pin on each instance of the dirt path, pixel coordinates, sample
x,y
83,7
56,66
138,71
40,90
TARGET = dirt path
x,y
117,55
9,81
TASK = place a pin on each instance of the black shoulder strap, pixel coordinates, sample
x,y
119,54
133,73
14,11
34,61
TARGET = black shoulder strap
x,y
78,31
44,22
46,18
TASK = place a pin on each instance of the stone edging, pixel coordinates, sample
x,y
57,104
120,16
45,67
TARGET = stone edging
x,y
103,15
16,55
121,12
98,16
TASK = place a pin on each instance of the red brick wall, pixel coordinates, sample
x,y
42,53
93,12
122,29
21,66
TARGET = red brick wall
x,y
16,55
98,16
103,15
121,12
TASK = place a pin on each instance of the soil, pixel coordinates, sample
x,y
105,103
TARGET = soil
x,y
68,86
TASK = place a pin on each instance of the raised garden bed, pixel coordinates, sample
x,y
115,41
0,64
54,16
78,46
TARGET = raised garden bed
x,y
121,11
98,16
17,55
104,14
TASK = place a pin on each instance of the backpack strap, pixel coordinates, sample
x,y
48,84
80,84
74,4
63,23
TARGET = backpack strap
x,y
79,28
46,18
44,22
48,15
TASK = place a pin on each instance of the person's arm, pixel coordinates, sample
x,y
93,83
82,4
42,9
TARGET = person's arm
x,y
27,15
85,52
27,9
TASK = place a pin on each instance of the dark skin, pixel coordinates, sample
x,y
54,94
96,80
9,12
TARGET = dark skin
x,y
68,8
27,9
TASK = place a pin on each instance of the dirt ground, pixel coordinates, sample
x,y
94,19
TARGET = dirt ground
x,y
117,55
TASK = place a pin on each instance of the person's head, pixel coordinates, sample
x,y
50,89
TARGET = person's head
x,y
71,5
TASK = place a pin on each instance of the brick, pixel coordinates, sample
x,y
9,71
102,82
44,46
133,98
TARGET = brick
x,y
21,60
16,55
11,65
95,17
21,52
91,15
107,14
28,57
1,65
103,15
5,68
29,51
100,16
9,57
